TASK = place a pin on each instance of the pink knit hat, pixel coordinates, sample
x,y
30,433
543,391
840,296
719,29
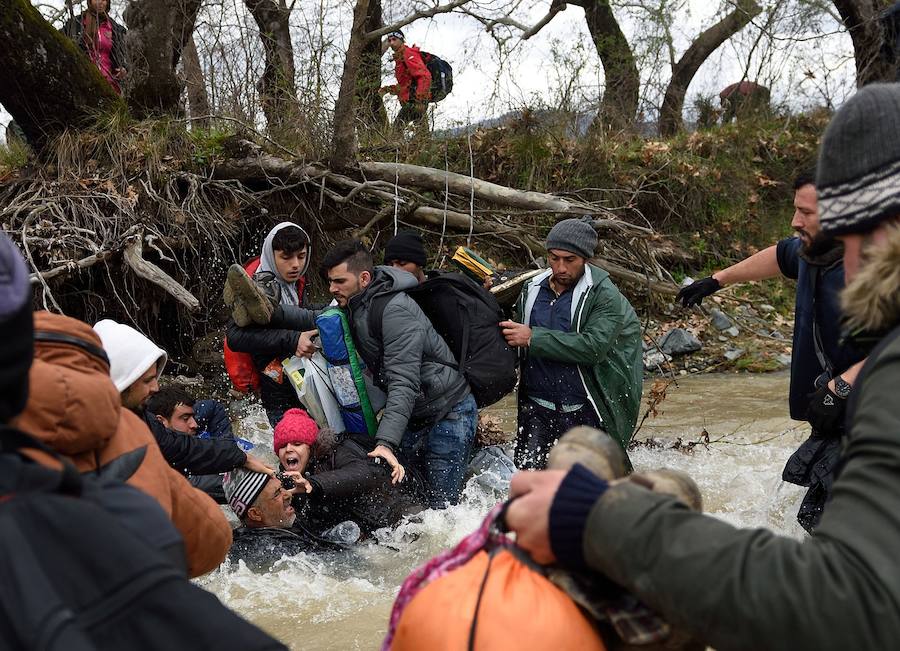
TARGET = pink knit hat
x,y
295,427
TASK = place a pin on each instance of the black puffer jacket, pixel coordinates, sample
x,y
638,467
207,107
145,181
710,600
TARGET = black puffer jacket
x,y
273,344
349,485
74,29
417,369
195,456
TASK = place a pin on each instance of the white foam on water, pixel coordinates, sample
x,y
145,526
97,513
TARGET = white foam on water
x,y
344,603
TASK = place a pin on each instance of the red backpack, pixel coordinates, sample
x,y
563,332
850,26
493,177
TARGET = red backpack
x,y
240,366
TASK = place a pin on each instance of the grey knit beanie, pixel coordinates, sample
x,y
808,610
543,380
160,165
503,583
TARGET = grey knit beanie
x,y
858,178
575,235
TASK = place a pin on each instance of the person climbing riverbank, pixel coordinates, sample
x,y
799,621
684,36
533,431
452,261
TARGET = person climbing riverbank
x,y
102,39
763,586
279,276
823,368
413,87
581,349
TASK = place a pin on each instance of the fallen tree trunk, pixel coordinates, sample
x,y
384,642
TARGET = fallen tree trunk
x,y
440,181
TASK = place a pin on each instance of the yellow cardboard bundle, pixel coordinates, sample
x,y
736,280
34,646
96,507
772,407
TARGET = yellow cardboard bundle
x,y
471,264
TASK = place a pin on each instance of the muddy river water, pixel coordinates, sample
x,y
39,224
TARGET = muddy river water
x,y
309,603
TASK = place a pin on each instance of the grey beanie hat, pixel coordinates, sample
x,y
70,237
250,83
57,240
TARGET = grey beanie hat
x,y
858,177
575,235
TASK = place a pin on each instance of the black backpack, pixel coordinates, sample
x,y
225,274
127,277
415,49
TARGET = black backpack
x,y
467,317
76,579
441,76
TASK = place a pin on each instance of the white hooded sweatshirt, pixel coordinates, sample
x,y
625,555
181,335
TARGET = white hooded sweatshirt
x,y
130,353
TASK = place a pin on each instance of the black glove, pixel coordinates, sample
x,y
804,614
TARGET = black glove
x,y
826,413
694,293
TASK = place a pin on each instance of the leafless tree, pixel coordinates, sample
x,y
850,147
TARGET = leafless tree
x,y
707,42
277,85
195,83
158,30
875,58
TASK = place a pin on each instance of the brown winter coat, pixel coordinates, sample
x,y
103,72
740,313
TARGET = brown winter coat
x,y
75,409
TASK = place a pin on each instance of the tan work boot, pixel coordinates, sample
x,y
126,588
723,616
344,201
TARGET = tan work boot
x,y
249,304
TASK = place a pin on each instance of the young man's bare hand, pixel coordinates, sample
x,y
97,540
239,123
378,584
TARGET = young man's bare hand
x,y
397,471
516,334
306,347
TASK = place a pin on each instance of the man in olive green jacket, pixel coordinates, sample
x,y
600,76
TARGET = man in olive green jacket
x,y
582,349
752,589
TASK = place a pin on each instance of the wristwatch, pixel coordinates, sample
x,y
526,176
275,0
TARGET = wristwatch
x,y
841,387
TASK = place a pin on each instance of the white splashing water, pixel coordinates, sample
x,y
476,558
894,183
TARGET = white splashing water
x,y
308,602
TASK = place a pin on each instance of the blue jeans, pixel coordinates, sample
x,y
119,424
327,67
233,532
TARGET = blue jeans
x,y
442,452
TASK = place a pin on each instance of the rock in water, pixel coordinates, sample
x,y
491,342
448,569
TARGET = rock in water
x,y
679,341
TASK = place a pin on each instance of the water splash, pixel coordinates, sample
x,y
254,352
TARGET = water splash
x,y
344,602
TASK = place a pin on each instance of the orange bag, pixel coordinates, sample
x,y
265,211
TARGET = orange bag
x,y
494,602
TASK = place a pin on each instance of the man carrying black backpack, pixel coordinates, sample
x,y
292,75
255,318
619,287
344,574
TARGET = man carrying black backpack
x,y
413,87
430,414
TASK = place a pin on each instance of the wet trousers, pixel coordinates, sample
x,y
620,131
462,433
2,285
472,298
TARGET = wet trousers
x,y
441,453
540,428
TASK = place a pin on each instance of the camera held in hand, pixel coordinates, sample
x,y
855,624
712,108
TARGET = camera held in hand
x,y
287,482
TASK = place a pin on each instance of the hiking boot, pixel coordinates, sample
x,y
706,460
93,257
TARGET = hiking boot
x,y
248,302
265,280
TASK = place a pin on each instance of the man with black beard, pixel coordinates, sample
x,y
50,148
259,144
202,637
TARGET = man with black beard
x,y
822,369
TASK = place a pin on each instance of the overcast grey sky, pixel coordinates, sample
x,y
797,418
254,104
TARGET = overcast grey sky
x,y
483,88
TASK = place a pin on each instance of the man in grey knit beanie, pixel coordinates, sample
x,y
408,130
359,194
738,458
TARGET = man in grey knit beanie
x,y
582,342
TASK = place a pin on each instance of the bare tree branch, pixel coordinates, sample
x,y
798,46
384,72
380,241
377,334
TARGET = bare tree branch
x,y
527,32
424,13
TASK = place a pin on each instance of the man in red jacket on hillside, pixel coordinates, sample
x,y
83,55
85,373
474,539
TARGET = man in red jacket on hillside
x,y
413,87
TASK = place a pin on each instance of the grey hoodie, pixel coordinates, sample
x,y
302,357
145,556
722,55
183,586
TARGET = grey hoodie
x,y
267,263
417,368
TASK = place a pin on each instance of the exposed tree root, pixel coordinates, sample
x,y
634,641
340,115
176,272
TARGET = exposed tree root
x,y
126,238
